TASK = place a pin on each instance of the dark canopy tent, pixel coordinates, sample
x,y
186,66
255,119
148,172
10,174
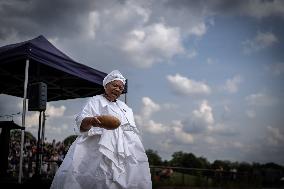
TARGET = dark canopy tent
x,y
65,78
37,60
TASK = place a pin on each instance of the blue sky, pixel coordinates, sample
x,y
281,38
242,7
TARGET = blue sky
x,y
204,76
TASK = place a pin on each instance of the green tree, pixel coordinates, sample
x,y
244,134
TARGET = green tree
x,y
272,166
153,157
244,167
219,164
204,163
15,135
69,140
177,159
181,159
190,161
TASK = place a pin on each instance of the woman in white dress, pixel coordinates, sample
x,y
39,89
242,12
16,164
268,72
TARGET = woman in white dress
x,y
105,159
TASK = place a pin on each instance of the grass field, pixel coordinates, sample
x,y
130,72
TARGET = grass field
x,y
180,179
183,180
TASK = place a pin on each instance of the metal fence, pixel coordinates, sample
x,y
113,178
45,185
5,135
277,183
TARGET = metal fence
x,y
195,177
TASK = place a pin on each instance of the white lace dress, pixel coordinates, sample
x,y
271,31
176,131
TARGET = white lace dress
x,y
105,159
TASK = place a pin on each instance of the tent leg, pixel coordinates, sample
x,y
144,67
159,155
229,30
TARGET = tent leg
x,y
42,138
38,151
23,121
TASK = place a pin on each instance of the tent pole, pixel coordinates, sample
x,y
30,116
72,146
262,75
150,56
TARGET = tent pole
x,y
23,120
38,152
42,139
126,90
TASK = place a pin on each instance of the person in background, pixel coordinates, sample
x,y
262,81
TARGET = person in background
x,y
101,158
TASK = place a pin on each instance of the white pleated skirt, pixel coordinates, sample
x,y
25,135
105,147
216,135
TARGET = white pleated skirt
x,y
89,164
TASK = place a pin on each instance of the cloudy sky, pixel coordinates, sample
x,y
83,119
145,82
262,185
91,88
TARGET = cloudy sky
x,y
205,77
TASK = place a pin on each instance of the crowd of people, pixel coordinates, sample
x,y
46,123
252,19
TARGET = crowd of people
x,y
51,156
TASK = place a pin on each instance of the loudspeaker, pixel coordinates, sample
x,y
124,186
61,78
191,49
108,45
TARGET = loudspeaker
x,y
37,95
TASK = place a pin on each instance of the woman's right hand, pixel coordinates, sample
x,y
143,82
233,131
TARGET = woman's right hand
x,y
88,122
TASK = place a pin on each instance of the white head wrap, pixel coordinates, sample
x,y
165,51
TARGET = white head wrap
x,y
114,75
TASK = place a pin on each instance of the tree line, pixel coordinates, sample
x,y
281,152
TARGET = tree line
x,y
189,160
223,171
188,163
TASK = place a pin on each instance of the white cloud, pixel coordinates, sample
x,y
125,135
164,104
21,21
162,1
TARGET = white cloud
x,y
13,37
131,8
201,120
190,18
222,129
227,108
144,33
53,111
250,113
52,129
191,53
260,99
94,23
276,68
199,29
204,113
182,136
20,104
144,118
261,9
169,106
210,140
154,127
174,129
149,107
261,41
137,33
166,144
185,86
153,44
237,144
232,85
32,118
274,136
210,61
121,17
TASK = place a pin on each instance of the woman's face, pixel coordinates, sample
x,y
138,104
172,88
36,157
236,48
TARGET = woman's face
x,y
114,89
